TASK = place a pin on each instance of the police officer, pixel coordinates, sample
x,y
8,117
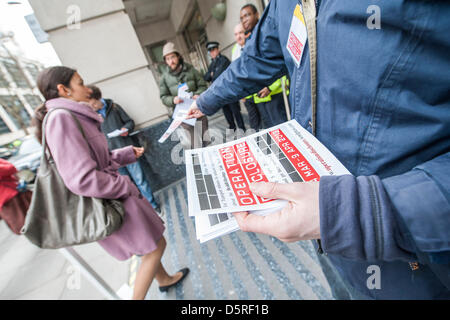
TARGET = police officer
x,y
218,65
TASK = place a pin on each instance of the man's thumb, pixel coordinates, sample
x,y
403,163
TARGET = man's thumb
x,y
272,190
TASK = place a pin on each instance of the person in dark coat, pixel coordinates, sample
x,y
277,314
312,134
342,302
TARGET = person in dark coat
x,y
218,65
116,118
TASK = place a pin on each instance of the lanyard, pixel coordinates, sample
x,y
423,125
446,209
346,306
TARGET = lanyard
x,y
309,12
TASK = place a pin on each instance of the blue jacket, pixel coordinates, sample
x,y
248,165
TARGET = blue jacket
x,y
383,108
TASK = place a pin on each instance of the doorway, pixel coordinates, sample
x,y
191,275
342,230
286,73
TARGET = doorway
x,y
195,36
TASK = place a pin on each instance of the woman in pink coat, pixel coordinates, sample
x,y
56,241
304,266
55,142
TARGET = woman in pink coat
x,y
94,174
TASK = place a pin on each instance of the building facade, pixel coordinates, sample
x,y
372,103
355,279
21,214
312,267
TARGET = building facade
x,y
19,95
117,46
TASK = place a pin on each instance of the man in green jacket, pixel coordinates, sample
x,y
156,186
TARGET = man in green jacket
x,y
177,73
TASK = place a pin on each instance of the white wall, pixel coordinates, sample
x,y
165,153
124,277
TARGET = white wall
x,y
100,50
223,31
53,14
180,13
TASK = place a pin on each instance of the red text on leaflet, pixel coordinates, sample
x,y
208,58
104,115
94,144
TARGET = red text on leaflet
x,y
297,159
251,167
295,45
236,177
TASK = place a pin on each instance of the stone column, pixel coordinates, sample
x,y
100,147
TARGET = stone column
x,y
98,39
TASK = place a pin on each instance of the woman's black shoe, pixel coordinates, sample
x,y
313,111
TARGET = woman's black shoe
x,y
185,272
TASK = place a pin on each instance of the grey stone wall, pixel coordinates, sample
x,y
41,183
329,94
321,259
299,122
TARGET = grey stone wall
x,y
157,164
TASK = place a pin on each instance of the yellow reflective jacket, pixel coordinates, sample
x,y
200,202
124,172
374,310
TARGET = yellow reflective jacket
x,y
275,88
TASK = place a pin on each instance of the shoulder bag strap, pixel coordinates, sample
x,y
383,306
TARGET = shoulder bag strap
x,y
309,13
80,127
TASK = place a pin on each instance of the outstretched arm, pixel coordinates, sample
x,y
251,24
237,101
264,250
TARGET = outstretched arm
x,y
260,64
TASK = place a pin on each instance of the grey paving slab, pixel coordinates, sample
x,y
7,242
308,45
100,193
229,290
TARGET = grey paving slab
x,y
236,266
27,272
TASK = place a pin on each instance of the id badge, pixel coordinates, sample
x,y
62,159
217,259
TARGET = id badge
x,y
297,36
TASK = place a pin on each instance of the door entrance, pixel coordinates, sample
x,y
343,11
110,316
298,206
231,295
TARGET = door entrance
x,y
195,37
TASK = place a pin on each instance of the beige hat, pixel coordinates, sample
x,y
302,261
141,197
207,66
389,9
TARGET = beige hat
x,y
168,48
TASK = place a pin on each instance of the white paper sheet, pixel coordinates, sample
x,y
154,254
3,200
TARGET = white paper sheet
x,y
218,177
116,133
173,126
182,108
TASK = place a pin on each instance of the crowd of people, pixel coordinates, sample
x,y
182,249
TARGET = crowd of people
x,y
109,167
376,105
266,108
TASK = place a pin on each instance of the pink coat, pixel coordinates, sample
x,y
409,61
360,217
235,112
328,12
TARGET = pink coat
x,y
96,175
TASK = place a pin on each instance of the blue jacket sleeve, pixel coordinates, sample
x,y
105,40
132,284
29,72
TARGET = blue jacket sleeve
x,y
260,64
368,218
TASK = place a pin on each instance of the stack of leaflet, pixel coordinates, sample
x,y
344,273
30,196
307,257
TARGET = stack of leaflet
x,y
211,226
219,177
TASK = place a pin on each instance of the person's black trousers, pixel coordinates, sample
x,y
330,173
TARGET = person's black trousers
x,y
273,112
253,114
232,112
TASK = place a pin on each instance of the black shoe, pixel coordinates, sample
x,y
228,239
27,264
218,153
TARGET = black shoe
x,y
185,272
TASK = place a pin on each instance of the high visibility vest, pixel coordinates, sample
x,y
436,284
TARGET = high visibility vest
x,y
275,88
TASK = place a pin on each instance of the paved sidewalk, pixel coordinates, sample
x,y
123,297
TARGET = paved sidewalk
x,y
237,266
30,273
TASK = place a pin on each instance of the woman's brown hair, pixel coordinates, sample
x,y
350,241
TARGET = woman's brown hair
x,y
47,83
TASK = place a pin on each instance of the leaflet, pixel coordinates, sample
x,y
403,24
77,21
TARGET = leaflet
x,y
116,133
219,177
182,108
212,226
173,126
180,112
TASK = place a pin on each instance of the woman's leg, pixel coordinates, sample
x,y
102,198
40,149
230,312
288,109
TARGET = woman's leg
x,y
164,279
150,268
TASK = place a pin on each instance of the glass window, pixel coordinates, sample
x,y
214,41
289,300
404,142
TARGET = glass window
x,y
3,51
33,101
15,73
195,36
16,110
33,70
3,82
3,127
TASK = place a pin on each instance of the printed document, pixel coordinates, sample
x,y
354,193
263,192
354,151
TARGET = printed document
x,y
218,177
